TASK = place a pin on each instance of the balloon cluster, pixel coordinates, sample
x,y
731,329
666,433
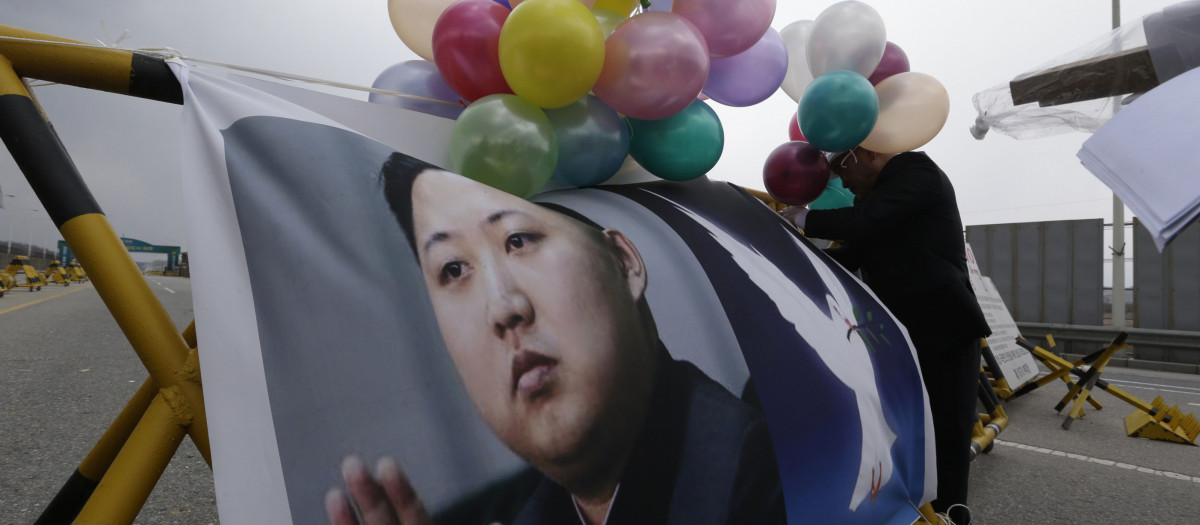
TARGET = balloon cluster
x,y
569,88
854,88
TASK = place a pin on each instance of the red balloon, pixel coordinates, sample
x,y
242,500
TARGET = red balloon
x,y
796,173
466,48
894,60
794,129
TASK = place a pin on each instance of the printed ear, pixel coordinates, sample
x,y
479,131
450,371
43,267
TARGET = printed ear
x,y
631,262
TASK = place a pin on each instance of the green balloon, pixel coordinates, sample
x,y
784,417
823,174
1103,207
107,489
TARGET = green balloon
x,y
833,197
506,142
838,110
680,147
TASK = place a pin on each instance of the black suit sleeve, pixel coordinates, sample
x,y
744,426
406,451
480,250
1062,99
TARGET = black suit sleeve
x,y
881,211
849,256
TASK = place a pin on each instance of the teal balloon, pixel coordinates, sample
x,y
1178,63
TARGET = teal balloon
x,y
506,142
680,147
593,141
833,197
838,110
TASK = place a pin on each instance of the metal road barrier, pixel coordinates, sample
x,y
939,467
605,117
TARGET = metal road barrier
x,y
1180,346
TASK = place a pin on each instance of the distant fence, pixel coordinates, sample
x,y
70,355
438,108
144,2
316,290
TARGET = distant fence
x,y
1046,272
1166,289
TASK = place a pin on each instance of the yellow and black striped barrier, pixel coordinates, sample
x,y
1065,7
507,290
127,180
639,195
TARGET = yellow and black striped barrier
x,y
20,266
114,480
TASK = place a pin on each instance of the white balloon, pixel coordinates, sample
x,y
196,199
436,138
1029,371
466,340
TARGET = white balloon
x,y
912,110
413,21
847,35
795,40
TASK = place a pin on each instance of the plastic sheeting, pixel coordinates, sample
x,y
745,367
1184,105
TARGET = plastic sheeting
x,y
1173,38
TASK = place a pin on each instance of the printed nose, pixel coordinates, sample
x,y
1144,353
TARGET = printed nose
x,y
510,308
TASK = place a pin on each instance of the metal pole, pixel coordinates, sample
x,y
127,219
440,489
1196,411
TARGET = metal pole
x,y
1118,246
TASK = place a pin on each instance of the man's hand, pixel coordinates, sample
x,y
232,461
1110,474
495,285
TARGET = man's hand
x,y
385,499
791,212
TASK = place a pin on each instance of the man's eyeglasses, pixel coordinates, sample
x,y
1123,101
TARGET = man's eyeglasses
x,y
839,163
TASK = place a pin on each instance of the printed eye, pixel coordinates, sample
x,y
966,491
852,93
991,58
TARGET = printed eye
x,y
451,270
518,241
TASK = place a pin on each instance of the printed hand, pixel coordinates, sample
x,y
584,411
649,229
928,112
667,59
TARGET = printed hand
x,y
387,498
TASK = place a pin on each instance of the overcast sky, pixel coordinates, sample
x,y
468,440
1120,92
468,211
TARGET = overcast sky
x,y
128,149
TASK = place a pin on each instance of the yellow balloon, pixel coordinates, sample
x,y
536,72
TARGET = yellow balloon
x,y
551,51
617,6
413,21
913,107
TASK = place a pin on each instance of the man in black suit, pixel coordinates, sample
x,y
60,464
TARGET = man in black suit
x,y
905,234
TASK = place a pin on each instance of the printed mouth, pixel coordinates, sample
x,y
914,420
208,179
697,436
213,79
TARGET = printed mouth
x,y
531,372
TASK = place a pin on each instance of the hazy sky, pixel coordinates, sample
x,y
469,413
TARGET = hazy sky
x,y
128,149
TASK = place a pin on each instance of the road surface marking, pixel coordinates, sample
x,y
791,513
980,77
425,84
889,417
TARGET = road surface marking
x,y
1195,404
44,299
1161,390
1152,384
1098,461
168,289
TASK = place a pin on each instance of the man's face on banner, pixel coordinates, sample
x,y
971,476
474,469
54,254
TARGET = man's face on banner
x,y
540,315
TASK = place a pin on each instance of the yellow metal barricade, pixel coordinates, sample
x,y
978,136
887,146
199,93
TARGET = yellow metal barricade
x,y
116,477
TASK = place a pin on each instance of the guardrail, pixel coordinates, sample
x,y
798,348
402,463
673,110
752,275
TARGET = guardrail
x,y
1171,346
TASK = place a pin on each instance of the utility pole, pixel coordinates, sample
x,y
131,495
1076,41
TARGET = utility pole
x,y
1118,231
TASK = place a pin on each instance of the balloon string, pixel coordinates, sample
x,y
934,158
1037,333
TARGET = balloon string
x,y
167,53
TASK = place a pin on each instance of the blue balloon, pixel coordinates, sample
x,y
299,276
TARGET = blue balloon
x,y
503,3
838,110
835,196
593,141
419,78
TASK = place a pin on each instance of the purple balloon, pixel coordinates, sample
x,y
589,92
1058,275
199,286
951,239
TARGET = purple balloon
x,y
751,76
503,3
661,5
419,78
729,26
894,61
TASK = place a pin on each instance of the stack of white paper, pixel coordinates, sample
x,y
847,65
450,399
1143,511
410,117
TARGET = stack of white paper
x,y
1149,154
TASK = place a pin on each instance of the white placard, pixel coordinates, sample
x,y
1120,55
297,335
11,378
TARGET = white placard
x,y
1017,365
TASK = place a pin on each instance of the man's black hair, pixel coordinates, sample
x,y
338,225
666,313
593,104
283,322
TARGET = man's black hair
x,y
398,175
400,172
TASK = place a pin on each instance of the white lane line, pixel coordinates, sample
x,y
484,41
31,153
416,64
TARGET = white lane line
x,y
1152,384
168,289
1195,404
1160,390
1105,462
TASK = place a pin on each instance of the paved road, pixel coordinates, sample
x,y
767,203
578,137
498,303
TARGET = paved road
x,y
66,370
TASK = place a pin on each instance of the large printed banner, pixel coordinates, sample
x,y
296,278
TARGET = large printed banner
x,y
652,352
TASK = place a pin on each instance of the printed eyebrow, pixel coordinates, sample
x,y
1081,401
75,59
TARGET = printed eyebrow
x,y
434,239
437,237
496,217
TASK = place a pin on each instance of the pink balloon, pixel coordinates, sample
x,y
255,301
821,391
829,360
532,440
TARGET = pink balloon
x,y
729,26
894,60
751,76
655,65
466,42
796,173
794,129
